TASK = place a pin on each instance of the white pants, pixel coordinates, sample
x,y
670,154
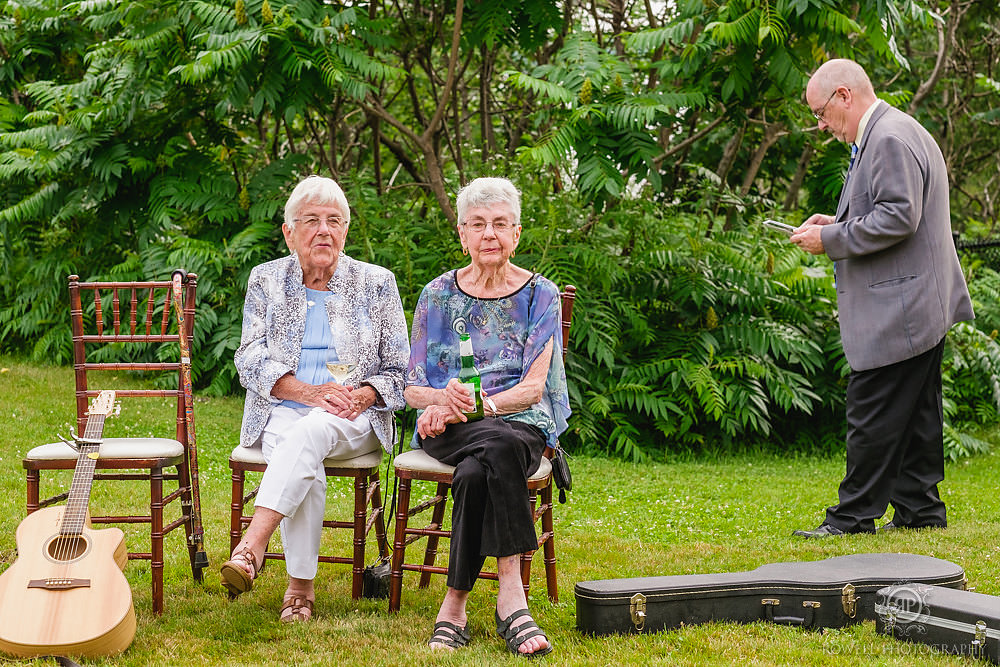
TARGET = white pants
x,y
295,442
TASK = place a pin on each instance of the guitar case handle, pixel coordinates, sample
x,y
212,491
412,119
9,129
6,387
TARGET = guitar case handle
x,y
807,620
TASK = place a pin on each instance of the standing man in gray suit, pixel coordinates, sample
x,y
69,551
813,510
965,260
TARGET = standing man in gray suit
x,y
899,289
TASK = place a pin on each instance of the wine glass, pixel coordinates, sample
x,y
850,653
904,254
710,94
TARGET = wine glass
x,y
340,365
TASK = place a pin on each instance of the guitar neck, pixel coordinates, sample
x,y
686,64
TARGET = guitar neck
x,y
75,517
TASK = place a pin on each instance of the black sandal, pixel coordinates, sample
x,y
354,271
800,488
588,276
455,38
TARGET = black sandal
x,y
450,635
514,638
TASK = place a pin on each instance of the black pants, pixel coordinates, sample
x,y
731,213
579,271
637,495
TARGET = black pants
x,y
895,446
490,515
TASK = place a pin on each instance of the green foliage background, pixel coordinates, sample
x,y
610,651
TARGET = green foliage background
x,y
140,136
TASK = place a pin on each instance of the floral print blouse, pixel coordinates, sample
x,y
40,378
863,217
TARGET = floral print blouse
x,y
507,334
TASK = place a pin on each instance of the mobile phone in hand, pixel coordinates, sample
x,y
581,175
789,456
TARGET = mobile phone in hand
x,y
782,227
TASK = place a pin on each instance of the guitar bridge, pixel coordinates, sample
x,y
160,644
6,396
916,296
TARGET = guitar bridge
x,y
59,583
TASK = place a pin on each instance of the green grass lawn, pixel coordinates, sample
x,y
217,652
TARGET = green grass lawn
x,y
622,520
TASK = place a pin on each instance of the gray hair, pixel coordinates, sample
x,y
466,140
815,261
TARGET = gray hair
x,y
485,192
316,190
843,72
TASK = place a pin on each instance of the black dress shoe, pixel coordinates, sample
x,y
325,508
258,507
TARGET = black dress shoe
x,y
892,525
824,530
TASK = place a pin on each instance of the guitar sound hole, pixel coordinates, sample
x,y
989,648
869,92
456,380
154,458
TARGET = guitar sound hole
x,y
67,547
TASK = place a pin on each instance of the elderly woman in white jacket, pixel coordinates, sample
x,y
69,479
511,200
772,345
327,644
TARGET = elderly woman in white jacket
x,y
300,311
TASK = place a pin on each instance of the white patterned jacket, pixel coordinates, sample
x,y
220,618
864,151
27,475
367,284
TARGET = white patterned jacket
x,y
367,320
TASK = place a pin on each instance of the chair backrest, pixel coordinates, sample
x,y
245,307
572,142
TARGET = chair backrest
x,y
117,326
568,296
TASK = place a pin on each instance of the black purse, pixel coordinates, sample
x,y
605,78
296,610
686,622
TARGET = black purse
x,y
560,473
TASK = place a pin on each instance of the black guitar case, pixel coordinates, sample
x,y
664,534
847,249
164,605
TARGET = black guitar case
x,y
946,620
827,593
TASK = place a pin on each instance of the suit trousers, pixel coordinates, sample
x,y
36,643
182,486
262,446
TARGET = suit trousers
x,y
895,446
491,514
295,443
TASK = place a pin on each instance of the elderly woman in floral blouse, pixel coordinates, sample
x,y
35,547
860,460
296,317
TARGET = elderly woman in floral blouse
x,y
512,316
314,306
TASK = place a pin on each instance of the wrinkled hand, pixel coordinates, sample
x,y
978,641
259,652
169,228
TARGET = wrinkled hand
x,y
362,398
339,400
450,407
818,219
808,235
456,396
435,419
330,396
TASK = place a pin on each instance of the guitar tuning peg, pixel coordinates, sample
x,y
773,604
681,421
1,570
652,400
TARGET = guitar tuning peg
x,y
117,409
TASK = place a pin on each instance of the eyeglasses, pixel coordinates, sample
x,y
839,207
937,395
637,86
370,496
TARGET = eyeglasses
x,y
335,224
819,115
499,227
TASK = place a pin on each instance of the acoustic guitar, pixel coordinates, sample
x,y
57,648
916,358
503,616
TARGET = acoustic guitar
x,y
66,593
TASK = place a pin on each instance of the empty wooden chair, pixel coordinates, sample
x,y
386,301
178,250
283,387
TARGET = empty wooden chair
x,y
117,329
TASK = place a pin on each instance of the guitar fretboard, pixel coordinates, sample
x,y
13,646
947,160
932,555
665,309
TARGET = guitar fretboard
x,y
75,517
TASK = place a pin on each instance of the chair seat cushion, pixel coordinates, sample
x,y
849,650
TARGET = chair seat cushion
x,y
417,460
255,455
112,448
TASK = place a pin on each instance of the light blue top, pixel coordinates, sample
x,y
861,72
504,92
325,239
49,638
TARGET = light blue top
x,y
317,344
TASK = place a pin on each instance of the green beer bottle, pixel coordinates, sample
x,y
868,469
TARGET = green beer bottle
x,y
469,376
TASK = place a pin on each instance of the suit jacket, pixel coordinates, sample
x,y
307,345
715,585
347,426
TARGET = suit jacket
x,y
367,321
899,283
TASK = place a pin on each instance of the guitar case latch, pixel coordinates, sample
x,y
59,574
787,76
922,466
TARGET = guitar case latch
x,y
637,607
849,601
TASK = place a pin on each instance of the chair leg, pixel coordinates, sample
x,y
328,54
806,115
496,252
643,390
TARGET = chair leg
x,y
33,478
156,537
236,509
378,515
360,514
528,555
437,521
399,545
549,548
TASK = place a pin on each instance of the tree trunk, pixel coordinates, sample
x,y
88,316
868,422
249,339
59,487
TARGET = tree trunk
x,y
485,118
792,196
617,21
946,39
426,141
376,125
729,153
772,132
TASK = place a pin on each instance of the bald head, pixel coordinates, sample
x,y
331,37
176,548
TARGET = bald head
x,y
842,72
839,93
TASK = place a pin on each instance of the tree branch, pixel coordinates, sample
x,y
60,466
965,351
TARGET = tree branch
x,y
944,44
690,140
445,96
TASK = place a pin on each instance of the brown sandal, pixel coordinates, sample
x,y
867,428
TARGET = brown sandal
x,y
297,604
235,578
